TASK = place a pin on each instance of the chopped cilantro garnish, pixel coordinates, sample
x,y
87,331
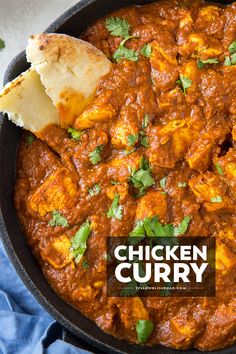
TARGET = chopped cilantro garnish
x,y
58,220
231,60
219,169
79,241
145,121
144,329
129,152
216,199
29,139
184,82
75,134
141,180
117,26
146,51
232,47
95,156
2,44
227,61
163,182
132,139
85,264
95,190
144,141
201,63
114,183
182,227
124,53
182,184
115,210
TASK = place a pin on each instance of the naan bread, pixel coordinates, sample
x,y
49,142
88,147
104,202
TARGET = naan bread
x,y
26,103
69,69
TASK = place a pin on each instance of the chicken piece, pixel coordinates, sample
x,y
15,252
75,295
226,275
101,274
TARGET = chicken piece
x,y
118,167
170,142
58,192
229,82
200,153
225,259
86,293
121,188
211,190
221,328
132,310
212,89
210,21
94,113
191,71
164,67
229,16
57,252
151,204
201,46
228,166
181,331
126,125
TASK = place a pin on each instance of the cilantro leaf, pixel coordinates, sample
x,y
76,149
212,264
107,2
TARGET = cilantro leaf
x,y
142,178
124,53
58,219
117,26
75,134
145,121
79,241
144,141
233,59
201,63
182,227
144,329
132,139
85,264
232,47
29,139
115,210
219,169
2,44
146,51
216,199
163,183
184,82
182,184
227,61
95,156
95,190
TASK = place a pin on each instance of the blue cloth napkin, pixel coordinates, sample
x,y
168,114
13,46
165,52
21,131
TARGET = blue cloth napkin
x,y
25,327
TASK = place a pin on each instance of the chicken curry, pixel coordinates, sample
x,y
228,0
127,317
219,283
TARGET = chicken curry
x,y
159,139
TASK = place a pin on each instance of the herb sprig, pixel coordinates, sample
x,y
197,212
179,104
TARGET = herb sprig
x,y
95,155
58,219
79,241
142,178
201,63
184,83
115,210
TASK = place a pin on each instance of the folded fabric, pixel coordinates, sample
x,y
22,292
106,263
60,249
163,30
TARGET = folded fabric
x,y
25,327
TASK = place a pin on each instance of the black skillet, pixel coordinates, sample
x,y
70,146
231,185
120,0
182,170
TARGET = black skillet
x,y
72,22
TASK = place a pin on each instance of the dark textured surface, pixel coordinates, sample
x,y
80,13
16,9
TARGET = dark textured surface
x,y
73,22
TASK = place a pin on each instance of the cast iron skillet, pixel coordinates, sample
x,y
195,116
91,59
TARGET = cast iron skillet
x,y
72,22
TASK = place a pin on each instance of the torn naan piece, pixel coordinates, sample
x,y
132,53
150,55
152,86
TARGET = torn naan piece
x,y
26,103
69,69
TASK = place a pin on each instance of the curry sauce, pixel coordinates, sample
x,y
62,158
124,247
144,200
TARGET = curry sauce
x,y
167,109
